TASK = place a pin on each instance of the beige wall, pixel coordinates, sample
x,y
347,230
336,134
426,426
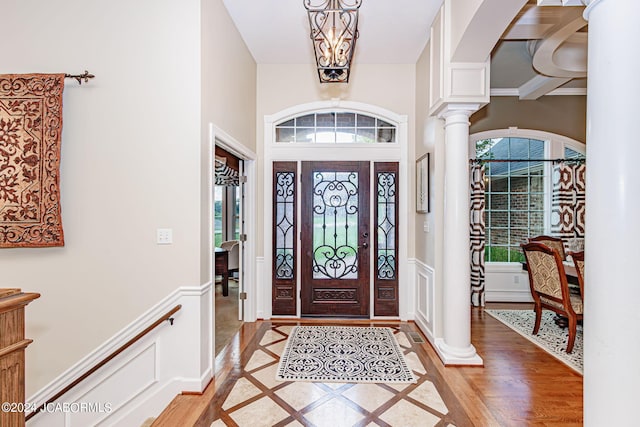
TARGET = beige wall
x,y
562,115
131,159
282,86
228,98
424,144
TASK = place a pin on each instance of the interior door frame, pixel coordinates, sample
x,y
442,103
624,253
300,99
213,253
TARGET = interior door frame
x,y
387,152
248,248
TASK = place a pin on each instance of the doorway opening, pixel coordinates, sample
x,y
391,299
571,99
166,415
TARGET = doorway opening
x,y
348,225
228,209
341,257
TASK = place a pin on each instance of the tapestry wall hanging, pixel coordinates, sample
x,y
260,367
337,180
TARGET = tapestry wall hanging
x,y
30,132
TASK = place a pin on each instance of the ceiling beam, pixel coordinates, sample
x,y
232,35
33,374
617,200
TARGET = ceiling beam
x,y
539,86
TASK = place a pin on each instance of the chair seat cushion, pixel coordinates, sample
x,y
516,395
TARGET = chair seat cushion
x,y
576,303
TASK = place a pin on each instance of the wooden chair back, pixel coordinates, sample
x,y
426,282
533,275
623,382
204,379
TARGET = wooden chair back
x,y
550,289
553,242
578,261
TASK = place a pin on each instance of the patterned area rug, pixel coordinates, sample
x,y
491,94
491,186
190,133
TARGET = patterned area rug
x,y
551,337
343,354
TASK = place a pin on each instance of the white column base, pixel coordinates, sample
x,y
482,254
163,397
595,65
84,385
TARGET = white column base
x,y
457,356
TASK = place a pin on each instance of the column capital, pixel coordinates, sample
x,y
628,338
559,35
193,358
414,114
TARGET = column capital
x,y
457,109
590,4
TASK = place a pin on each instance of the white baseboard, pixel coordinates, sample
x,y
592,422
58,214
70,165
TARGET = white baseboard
x,y
141,381
508,296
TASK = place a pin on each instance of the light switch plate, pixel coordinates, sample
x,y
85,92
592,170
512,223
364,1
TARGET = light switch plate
x,y
164,236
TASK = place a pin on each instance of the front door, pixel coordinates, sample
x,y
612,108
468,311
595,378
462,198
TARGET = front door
x,y
335,239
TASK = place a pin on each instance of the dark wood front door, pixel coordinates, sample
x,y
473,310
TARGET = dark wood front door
x,y
335,239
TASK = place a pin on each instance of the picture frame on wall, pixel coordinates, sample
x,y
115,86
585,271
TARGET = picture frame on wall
x,y
422,184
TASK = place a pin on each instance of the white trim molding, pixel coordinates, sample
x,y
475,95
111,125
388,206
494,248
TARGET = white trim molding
x,y
141,381
247,267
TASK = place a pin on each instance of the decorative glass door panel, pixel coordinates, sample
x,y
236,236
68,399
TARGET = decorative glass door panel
x,y
335,238
335,225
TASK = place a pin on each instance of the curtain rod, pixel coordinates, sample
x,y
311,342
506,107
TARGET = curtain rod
x,y
80,77
526,160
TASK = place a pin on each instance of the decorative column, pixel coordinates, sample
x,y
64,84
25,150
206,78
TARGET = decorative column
x,y
455,347
612,238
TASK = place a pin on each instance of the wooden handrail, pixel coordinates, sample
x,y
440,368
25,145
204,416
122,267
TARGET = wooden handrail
x,y
106,360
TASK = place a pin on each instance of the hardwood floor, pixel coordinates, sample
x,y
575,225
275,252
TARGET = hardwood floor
x,y
519,385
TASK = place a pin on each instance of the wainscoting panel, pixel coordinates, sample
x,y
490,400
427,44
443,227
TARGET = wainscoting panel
x,y
141,381
425,298
138,371
506,282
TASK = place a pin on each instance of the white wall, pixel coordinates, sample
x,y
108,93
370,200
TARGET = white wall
x,y
130,164
228,99
430,226
385,85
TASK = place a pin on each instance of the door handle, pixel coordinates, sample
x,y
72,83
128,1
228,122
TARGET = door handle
x,y
365,245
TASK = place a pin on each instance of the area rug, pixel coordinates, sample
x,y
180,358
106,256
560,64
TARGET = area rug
x,y
551,337
30,131
343,354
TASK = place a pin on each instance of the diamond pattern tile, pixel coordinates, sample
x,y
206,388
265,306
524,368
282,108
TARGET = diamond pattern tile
x,y
242,390
259,358
404,413
330,404
428,394
300,394
368,396
334,413
261,413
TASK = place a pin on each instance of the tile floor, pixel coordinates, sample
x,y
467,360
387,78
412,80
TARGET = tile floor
x,y
251,396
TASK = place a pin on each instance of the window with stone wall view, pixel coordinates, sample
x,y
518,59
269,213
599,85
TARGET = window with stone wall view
x,y
514,195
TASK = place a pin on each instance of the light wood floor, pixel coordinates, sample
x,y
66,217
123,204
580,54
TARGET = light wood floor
x,y
519,385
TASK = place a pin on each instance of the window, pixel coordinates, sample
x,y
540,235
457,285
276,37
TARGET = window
x,y
226,214
335,127
518,186
514,195
570,153
218,217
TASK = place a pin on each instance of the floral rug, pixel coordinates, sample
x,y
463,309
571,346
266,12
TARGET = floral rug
x,y
343,354
551,337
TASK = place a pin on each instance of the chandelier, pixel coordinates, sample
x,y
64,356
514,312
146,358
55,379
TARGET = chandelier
x,y
334,30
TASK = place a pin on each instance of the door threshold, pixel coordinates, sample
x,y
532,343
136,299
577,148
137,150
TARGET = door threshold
x,y
350,320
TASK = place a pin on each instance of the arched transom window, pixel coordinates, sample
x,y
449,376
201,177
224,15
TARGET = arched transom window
x,y
335,127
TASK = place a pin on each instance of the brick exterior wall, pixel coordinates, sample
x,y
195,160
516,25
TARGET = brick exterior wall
x,y
524,222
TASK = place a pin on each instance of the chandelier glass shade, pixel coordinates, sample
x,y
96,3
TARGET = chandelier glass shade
x,y
334,30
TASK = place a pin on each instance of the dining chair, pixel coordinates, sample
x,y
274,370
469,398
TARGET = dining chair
x,y
553,242
233,248
550,289
578,261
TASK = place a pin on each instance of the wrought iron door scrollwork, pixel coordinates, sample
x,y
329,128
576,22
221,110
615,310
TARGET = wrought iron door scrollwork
x,y
285,193
386,251
335,213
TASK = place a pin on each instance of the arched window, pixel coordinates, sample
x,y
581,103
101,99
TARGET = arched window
x,y
335,127
518,170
